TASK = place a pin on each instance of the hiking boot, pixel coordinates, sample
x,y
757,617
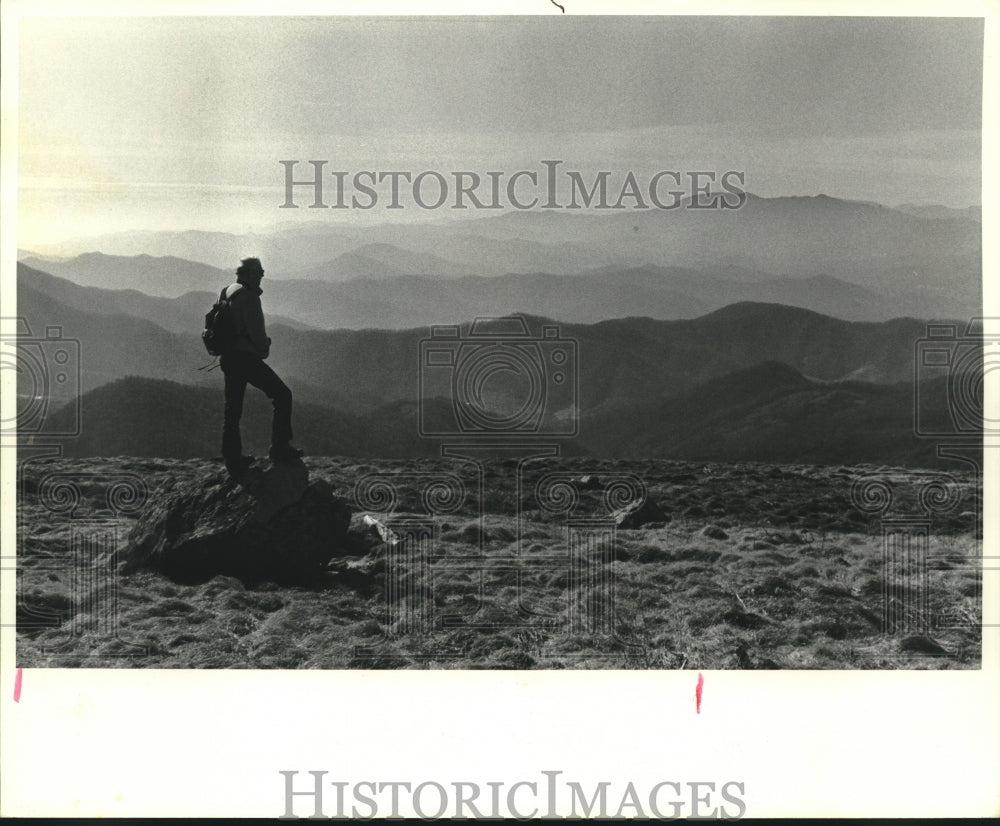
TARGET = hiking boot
x,y
285,453
238,465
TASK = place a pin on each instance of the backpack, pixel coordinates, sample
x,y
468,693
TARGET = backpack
x,y
220,332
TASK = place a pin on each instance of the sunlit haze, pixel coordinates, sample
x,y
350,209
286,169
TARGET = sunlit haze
x,y
180,123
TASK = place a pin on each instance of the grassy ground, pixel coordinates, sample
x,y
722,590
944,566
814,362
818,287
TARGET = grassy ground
x,y
756,566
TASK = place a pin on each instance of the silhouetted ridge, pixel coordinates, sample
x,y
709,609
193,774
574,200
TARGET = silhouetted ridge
x,y
152,417
755,312
768,412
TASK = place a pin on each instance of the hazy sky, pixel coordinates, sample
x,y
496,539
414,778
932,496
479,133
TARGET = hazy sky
x,y
181,122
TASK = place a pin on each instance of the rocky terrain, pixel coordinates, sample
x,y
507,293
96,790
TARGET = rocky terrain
x,y
502,562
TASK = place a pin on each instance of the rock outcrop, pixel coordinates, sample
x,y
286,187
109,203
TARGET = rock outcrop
x,y
714,532
641,512
272,523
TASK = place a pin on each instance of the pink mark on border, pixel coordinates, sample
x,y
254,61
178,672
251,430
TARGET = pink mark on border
x,y
697,692
17,687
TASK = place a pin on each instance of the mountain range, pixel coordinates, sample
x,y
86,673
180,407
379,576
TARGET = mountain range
x,y
782,331
395,301
771,412
619,359
767,413
931,253
152,417
751,381
181,314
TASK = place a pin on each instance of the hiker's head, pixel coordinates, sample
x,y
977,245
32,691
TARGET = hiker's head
x,y
249,271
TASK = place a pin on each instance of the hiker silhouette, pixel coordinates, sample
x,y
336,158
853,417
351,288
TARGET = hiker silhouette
x,y
243,364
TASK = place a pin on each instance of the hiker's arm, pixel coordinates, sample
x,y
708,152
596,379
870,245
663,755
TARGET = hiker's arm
x,y
255,328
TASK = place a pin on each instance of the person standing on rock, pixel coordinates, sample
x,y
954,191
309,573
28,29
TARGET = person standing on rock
x,y
243,364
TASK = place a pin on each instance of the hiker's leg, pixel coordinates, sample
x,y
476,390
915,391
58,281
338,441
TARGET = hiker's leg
x,y
236,385
264,378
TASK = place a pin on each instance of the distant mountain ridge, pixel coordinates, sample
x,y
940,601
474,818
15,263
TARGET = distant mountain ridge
x,y
620,360
159,276
376,298
782,331
771,412
181,314
766,413
880,248
380,261
154,417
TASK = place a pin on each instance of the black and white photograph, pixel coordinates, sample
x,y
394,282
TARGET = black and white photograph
x,y
570,346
